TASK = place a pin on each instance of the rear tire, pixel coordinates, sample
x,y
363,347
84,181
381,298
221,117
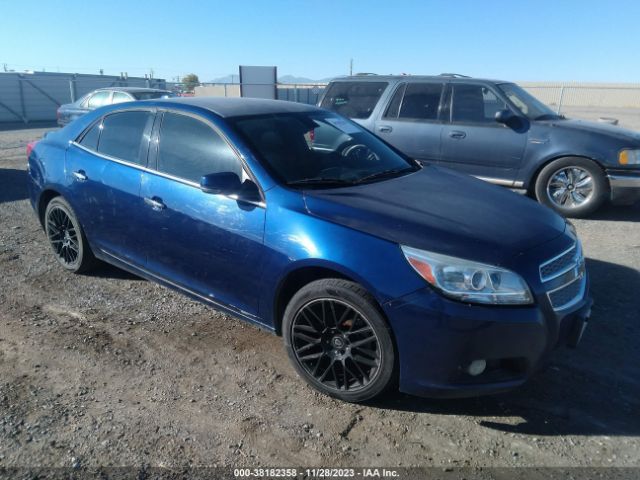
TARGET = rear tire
x,y
572,186
339,341
66,237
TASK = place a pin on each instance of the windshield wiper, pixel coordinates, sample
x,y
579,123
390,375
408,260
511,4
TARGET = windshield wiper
x,y
383,174
320,181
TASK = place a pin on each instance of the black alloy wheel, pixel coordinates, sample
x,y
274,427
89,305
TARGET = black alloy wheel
x,y
339,341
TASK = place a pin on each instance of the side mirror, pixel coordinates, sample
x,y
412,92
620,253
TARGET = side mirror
x,y
504,116
223,183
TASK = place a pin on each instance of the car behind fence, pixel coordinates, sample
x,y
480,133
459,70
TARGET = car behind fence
x,y
28,97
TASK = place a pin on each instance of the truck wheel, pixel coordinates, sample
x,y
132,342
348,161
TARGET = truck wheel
x,y
572,186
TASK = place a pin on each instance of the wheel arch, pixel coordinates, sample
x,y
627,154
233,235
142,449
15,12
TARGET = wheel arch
x,y
302,275
45,197
531,185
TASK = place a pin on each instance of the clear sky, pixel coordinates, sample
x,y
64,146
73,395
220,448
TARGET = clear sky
x,y
586,40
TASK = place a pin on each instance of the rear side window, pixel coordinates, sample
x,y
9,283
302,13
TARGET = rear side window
x,y
474,104
90,139
119,97
421,101
353,99
190,149
122,136
98,99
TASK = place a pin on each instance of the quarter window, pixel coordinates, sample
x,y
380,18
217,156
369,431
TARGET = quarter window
x,y
475,104
98,99
90,139
353,99
123,136
190,149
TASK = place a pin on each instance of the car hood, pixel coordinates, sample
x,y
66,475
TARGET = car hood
x,y
443,211
597,128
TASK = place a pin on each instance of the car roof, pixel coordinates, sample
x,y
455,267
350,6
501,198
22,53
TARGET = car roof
x,y
416,78
237,107
132,89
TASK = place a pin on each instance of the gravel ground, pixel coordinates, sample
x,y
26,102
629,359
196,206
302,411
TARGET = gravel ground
x,y
108,369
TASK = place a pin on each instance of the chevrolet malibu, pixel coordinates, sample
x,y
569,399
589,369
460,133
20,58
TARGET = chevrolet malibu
x,y
376,271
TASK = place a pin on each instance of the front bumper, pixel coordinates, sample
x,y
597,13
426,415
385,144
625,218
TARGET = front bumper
x,y
438,338
625,186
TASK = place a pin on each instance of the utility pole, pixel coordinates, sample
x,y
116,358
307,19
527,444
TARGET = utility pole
x,y
351,67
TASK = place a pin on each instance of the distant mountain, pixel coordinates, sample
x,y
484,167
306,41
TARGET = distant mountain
x,y
283,79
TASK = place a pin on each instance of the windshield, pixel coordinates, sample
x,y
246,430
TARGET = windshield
x,y
320,149
529,105
152,95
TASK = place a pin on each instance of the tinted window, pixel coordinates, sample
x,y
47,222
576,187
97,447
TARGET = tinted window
x,y
396,101
119,97
122,136
319,149
151,95
90,139
421,101
475,104
353,99
98,99
190,149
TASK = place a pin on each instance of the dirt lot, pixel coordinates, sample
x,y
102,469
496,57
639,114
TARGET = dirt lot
x,y
108,369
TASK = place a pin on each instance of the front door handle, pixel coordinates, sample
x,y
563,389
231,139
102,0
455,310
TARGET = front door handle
x,y
80,175
155,203
385,129
457,134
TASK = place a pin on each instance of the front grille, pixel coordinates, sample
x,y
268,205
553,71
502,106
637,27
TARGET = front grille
x,y
557,266
567,295
564,278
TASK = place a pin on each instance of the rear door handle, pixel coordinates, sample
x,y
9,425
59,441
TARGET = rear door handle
x,y
385,129
80,175
155,203
457,134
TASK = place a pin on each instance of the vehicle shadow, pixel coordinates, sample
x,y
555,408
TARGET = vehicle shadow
x,y
13,185
4,127
592,390
106,270
622,213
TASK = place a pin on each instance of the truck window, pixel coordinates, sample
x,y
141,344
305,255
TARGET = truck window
x,y
417,101
353,99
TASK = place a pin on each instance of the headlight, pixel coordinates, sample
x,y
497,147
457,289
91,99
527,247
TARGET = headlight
x,y
629,157
469,281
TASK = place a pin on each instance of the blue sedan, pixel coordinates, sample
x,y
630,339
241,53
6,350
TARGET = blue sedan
x,y
376,270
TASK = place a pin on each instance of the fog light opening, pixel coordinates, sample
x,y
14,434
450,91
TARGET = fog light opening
x,y
476,367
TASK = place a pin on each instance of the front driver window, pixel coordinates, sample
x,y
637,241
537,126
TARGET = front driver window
x,y
190,149
475,104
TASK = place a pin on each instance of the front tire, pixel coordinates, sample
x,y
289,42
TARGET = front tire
x,y
339,341
67,238
572,186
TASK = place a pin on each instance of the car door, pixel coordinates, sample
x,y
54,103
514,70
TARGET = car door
x,y
208,244
411,121
104,170
473,142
